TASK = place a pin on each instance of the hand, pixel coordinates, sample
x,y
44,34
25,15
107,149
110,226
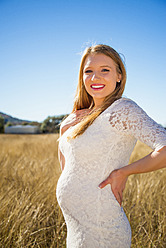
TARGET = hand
x,y
117,180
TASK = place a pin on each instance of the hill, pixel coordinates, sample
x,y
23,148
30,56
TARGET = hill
x,y
12,120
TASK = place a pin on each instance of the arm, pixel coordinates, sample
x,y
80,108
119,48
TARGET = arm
x,y
118,178
154,161
60,155
61,159
132,120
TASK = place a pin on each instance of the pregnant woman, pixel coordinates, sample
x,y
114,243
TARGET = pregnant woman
x,y
96,141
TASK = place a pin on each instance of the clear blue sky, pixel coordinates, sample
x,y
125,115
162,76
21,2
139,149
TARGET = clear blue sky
x,y
41,41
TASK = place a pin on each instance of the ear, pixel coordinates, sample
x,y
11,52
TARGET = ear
x,y
119,78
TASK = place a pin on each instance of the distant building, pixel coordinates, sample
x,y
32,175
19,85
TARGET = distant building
x,y
20,129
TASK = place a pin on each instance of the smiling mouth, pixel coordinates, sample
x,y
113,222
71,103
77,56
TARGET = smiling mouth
x,y
97,86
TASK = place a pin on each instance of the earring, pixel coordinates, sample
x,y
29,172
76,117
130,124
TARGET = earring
x,y
119,81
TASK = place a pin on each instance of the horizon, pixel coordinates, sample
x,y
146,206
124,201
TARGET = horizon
x,y
16,117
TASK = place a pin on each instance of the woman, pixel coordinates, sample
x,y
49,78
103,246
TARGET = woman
x,y
96,141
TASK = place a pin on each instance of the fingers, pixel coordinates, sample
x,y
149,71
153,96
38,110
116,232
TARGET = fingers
x,y
118,197
104,183
108,180
121,196
117,185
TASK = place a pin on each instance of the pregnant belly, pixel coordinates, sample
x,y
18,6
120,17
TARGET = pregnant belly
x,y
91,208
73,191
75,194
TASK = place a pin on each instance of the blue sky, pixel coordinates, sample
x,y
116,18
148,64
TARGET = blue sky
x,y
41,42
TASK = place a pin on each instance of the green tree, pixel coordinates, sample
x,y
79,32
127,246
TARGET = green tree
x,y
8,124
1,124
51,124
35,123
25,123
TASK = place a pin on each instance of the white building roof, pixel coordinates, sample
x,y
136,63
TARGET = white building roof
x,y
22,129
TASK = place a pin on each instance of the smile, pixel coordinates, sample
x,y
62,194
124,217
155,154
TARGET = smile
x,y
97,86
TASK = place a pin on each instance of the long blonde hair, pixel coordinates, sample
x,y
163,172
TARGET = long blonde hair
x,y
84,101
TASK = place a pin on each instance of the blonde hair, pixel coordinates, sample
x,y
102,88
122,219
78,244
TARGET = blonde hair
x,y
84,101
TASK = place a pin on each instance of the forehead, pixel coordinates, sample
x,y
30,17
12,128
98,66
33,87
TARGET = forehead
x,y
98,60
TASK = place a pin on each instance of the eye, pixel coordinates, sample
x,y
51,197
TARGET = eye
x,y
105,70
88,71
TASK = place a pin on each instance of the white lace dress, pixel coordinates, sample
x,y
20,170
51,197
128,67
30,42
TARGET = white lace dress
x,y
93,216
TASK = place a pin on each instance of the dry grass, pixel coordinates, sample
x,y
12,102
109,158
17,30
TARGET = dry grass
x,y
29,214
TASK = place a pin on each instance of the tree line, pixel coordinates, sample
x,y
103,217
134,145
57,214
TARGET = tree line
x,y
50,125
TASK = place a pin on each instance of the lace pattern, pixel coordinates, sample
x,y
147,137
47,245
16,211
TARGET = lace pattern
x,y
93,216
132,119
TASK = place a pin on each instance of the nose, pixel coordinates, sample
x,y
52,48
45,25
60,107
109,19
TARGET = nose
x,y
95,76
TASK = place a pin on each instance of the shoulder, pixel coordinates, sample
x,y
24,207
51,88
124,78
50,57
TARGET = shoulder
x,y
131,107
66,123
125,110
125,105
124,101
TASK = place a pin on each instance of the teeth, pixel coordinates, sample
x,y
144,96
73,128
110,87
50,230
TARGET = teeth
x,y
97,86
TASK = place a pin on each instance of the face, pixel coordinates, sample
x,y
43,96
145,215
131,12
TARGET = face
x,y
100,77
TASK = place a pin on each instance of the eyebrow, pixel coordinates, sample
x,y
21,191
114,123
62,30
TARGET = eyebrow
x,y
105,66
100,66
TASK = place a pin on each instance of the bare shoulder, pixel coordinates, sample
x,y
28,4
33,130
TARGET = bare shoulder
x,y
73,119
67,123
82,112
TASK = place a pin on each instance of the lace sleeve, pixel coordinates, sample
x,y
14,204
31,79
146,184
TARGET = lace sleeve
x,y
130,118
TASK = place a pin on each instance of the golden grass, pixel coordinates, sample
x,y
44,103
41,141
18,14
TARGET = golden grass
x,y
29,213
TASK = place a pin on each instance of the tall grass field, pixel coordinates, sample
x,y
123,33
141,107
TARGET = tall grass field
x,y
29,213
